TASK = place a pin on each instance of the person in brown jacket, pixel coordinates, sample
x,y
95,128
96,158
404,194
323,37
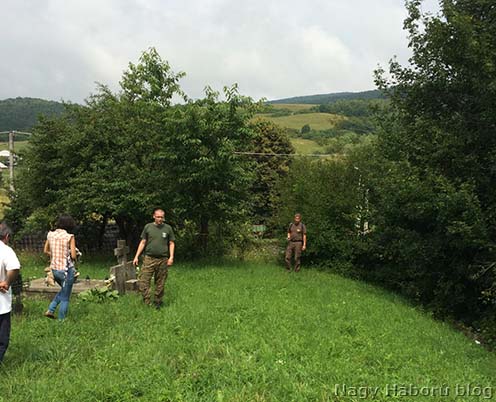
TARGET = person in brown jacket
x,y
297,242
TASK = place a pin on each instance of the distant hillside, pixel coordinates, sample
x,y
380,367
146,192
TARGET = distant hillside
x,y
21,114
330,98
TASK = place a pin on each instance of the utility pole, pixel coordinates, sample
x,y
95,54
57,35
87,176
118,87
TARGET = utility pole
x,y
11,160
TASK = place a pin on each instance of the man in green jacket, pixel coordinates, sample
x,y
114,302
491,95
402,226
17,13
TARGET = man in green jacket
x,y
297,242
158,244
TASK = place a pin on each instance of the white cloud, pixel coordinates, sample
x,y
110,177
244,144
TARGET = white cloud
x,y
57,49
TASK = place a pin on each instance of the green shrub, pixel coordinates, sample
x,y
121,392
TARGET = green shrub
x,y
99,295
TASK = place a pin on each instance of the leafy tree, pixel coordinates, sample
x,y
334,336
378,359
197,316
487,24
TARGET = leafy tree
x,y
96,160
445,103
121,154
437,207
271,140
352,107
151,81
210,183
305,129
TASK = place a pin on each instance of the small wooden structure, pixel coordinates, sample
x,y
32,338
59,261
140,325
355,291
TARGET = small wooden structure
x,y
124,272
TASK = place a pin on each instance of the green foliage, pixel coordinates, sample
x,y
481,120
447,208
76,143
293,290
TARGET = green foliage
x,y
269,169
304,146
318,123
326,193
428,233
360,113
22,114
305,129
436,219
151,81
99,295
122,154
344,143
444,105
209,183
358,125
354,107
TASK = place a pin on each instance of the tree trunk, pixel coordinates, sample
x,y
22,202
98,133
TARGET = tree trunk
x,y
203,236
101,232
127,231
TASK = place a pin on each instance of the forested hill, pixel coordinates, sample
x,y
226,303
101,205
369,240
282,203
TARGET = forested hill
x,y
330,98
22,113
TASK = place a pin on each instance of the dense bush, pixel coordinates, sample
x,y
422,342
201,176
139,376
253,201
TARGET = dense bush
x,y
352,107
439,138
326,192
427,235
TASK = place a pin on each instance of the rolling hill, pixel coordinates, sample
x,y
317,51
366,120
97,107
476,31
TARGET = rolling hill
x,y
330,98
21,114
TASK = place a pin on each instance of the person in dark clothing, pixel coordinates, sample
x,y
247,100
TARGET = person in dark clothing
x,y
297,242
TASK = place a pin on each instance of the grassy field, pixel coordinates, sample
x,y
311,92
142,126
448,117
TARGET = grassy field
x,y
316,121
18,145
242,332
303,146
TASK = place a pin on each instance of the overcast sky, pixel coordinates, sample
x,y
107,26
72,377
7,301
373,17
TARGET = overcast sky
x,y
58,49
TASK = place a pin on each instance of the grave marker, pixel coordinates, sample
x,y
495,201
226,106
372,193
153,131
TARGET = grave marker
x,y
124,271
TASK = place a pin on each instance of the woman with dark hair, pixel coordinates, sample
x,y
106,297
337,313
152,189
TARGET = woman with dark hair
x,y
61,247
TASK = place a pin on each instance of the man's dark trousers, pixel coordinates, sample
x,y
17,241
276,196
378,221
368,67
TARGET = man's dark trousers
x,y
294,247
4,333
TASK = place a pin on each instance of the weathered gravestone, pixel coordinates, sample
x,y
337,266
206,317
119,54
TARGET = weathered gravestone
x,y
124,272
40,287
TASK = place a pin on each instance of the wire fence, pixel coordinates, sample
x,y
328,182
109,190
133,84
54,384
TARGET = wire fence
x,y
35,241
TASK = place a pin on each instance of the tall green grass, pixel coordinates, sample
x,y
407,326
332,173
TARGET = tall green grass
x,y
240,332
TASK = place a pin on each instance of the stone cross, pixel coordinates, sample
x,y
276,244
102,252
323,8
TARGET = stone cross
x,y
124,270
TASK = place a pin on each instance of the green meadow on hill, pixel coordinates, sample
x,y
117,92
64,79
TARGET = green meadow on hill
x,y
317,121
298,116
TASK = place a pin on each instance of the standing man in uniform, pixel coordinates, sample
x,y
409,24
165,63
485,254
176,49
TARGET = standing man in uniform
x,y
157,241
9,269
297,242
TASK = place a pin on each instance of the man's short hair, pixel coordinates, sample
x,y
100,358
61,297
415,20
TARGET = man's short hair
x,y
157,209
5,231
297,214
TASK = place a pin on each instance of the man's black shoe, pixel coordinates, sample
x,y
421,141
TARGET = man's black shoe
x,y
158,305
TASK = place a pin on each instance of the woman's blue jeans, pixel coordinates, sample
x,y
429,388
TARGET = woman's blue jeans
x,y
65,279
